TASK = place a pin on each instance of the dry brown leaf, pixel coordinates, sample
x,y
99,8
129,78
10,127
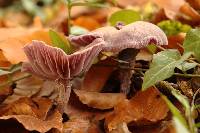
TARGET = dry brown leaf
x,y
189,11
87,22
161,127
175,8
170,7
48,89
25,88
11,45
146,107
99,100
121,128
175,42
97,76
5,92
33,114
76,126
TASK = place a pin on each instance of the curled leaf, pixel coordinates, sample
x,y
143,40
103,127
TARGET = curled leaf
x,y
99,100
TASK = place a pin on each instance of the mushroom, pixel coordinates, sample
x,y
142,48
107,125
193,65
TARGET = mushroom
x,y
122,39
135,35
53,64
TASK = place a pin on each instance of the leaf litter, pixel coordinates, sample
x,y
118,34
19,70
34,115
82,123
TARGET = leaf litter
x,y
95,70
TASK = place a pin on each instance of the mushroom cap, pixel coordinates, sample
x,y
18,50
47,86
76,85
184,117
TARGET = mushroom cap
x,y
135,35
52,63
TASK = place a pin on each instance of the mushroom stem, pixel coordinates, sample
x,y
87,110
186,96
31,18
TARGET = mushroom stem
x,y
125,75
64,89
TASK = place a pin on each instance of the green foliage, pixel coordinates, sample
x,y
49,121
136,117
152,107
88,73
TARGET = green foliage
x,y
186,66
162,66
125,16
60,42
152,48
173,27
192,43
77,30
176,114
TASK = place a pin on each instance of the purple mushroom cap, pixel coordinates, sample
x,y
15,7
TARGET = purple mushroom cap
x,y
52,63
135,35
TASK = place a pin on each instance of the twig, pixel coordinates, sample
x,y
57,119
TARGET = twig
x,y
161,48
12,81
187,75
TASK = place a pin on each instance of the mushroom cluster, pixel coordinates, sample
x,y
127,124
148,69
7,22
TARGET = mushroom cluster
x,y
52,63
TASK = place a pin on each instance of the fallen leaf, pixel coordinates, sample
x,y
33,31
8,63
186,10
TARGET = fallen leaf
x,y
86,22
99,100
175,42
33,114
170,7
175,8
14,43
25,88
76,126
150,110
5,92
97,76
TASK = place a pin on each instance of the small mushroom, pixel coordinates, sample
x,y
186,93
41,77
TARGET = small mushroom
x,y
122,39
135,35
53,64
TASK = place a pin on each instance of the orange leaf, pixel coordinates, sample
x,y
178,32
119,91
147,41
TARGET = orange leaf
x,y
33,114
99,100
146,107
87,22
12,45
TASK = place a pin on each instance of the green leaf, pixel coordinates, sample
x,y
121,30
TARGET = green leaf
x,y
197,106
197,125
171,27
152,48
77,30
162,66
192,43
176,113
125,16
60,42
186,66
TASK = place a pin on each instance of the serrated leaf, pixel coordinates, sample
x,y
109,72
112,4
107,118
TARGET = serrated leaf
x,y
162,66
125,16
192,43
60,42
